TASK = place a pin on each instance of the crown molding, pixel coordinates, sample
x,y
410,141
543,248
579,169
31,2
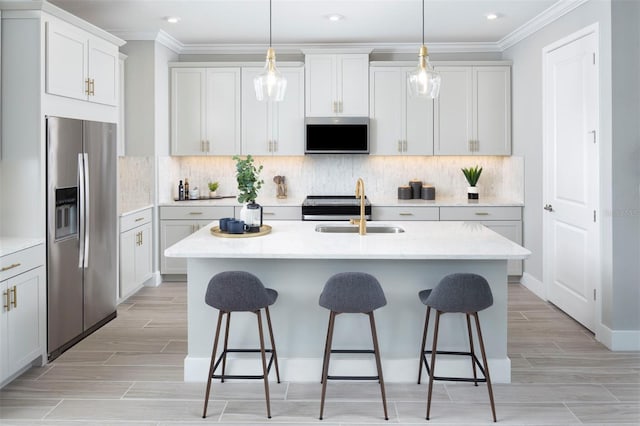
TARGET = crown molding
x,y
557,10
160,36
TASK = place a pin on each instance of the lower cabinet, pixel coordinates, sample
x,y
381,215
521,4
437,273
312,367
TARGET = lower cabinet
x,y
136,249
277,213
22,318
506,221
404,213
178,222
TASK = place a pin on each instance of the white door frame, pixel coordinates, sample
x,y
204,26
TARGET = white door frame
x,y
591,29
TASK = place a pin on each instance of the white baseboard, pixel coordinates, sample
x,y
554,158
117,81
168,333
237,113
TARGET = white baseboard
x,y
304,370
536,286
618,340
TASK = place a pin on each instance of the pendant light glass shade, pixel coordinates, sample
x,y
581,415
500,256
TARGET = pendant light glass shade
x,y
424,81
270,85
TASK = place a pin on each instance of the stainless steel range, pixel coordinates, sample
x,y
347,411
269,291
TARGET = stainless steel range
x,y
333,207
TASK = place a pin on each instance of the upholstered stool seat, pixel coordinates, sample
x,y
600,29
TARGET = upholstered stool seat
x,y
352,292
462,293
239,291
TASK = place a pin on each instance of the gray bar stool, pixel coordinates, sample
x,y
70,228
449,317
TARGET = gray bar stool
x,y
238,291
463,293
352,292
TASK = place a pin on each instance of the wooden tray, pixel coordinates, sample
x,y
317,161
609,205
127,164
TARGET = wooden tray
x,y
264,230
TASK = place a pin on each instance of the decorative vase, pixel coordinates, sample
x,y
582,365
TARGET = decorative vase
x,y
213,194
251,214
472,193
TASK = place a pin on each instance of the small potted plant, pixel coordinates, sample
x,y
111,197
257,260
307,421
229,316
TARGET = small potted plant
x,y
472,174
249,183
213,187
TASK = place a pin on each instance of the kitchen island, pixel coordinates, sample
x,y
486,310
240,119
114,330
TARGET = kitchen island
x,y
296,261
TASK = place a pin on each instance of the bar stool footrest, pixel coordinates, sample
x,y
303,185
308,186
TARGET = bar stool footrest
x,y
456,379
241,376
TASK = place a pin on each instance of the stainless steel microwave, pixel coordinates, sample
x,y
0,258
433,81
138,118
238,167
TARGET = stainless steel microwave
x,y
336,135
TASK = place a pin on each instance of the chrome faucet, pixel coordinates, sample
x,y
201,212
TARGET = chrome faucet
x,y
362,222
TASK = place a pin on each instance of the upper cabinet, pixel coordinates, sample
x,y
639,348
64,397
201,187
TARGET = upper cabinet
x,y
80,65
400,124
473,111
273,128
337,85
205,111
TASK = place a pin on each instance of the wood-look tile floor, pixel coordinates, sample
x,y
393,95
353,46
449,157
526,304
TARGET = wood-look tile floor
x,y
130,373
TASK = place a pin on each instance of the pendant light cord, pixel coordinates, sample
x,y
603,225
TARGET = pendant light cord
x,y
422,21
270,23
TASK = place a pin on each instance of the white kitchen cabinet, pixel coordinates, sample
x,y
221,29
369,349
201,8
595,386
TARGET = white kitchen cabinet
x,y
404,213
270,213
178,222
80,65
273,128
205,111
506,221
121,105
337,85
22,316
473,111
136,249
400,123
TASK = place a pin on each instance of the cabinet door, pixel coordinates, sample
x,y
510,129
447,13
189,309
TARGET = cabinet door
x,y
320,91
104,71
492,110
143,250
353,85
513,231
287,117
25,319
223,111
128,242
188,111
255,127
66,61
454,112
418,136
387,115
172,231
4,337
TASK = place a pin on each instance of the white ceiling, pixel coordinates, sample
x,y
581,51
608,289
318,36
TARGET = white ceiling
x,y
246,22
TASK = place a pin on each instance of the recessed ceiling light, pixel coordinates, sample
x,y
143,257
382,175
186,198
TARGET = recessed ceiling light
x,y
334,17
492,16
172,19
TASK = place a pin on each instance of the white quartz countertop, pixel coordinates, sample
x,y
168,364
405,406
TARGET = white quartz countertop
x,y
233,201
10,245
134,210
299,240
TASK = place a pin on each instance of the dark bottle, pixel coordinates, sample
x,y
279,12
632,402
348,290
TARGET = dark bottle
x,y
180,191
186,188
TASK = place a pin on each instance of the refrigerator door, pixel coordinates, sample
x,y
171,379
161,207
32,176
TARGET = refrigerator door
x,y
100,275
64,276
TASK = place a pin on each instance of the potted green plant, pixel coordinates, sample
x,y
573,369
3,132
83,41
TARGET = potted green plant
x,y
249,183
472,174
213,187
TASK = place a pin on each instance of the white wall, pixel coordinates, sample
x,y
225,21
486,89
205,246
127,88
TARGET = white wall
x,y
619,298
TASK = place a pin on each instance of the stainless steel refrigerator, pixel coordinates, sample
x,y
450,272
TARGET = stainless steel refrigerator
x,y
81,230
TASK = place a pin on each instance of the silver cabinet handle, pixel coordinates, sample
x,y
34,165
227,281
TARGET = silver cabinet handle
x,y
548,207
138,219
405,214
482,214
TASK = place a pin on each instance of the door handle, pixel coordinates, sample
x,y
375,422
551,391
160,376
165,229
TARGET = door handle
x,y
548,207
87,200
81,207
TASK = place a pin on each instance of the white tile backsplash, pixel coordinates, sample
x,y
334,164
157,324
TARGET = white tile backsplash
x,y
502,177
135,183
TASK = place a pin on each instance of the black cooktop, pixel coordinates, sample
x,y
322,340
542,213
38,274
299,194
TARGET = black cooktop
x,y
333,207
334,200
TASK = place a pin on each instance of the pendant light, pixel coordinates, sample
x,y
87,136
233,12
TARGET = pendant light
x,y
424,81
270,85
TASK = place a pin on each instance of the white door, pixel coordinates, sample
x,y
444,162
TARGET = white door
x,y
570,125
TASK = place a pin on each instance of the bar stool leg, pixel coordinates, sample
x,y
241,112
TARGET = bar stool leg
x,y
325,364
433,361
472,350
224,353
324,356
376,351
264,364
213,361
486,366
273,343
424,342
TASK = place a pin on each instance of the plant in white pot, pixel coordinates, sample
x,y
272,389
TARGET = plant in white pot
x,y
472,174
249,183
213,188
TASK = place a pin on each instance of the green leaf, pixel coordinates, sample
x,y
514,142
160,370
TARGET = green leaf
x,y
472,174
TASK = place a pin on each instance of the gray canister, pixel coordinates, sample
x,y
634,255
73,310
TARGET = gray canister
x,y
428,192
416,188
404,193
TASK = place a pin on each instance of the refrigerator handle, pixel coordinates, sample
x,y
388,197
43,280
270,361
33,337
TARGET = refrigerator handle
x,y
81,208
87,203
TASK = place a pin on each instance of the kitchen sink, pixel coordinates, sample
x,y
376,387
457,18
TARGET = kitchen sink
x,y
351,229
